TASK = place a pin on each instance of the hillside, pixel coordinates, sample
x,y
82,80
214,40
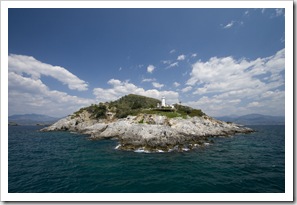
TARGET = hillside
x,y
136,104
31,119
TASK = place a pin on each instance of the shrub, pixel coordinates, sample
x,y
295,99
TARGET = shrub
x,y
196,112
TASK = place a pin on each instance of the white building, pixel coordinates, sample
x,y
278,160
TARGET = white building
x,y
163,102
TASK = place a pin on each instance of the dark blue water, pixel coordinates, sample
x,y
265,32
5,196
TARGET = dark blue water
x,y
62,162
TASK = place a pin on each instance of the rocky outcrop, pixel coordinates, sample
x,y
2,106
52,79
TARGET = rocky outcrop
x,y
151,133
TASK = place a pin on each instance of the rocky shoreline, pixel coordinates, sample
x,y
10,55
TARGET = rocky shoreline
x,y
150,132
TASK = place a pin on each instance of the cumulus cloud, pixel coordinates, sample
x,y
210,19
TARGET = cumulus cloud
x,y
121,88
181,57
217,107
220,73
29,95
157,85
150,68
22,64
227,82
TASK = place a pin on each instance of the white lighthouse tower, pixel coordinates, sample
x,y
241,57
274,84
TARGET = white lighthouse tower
x,y
163,102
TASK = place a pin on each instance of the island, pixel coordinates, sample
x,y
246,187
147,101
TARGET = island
x,y
144,124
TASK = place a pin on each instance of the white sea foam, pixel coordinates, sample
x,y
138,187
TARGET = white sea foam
x,y
206,144
173,149
118,146
72,132
141,150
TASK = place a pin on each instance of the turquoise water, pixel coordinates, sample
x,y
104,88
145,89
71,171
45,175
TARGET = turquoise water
x,y
63,162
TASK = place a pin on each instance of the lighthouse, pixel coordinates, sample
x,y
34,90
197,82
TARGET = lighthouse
x,y
163,102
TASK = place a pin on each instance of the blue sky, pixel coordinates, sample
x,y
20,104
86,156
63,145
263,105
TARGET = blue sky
x,y
223,61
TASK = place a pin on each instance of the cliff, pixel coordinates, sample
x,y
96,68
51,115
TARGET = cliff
x,y
149,129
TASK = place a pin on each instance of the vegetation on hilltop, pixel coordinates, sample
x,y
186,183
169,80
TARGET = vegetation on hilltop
x,y
132,105
178,111
136,104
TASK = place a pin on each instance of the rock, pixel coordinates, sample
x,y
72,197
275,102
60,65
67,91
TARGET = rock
x,y
153,133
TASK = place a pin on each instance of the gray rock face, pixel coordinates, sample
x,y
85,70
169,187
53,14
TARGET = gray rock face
x,y
153,133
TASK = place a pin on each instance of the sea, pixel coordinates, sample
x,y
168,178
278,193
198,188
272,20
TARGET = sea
x,y
65,162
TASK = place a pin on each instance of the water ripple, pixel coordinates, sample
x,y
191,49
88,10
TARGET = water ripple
x,y
62,162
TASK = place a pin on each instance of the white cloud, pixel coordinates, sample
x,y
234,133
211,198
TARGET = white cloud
x,y
254,104
229,25
28,95
194,55
22,64
273,13
172,51
225,82
279,12
222,72
124,88
166,61
282,39
150,68
148,80
232,24
176,84
114,82
181,57
217,107
157,85
185,73
186,89
175,64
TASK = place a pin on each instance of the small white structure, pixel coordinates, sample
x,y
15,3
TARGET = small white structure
x,y
163,102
